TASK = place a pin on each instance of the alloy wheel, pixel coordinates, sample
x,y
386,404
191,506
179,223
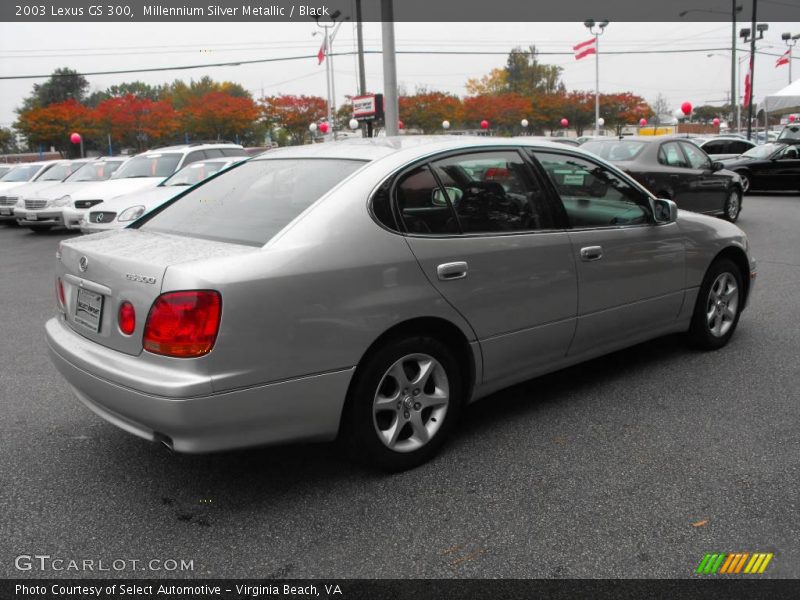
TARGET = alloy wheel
x,y
411,402
733,206
722,304
745,182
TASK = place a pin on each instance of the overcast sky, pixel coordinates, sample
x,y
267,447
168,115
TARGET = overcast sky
x,y
39,48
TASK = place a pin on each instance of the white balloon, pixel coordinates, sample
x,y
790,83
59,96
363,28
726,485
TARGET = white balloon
x,y
601,121
445,124
524,122
679,113
312,128
353,124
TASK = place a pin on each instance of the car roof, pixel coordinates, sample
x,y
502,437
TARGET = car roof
x,y
186,148
413,145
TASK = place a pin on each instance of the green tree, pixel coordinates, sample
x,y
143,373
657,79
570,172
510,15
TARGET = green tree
x,y
527,76
8,141
64,84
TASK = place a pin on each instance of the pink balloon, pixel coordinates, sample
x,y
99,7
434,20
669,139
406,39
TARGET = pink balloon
x,y
686,108
792,118
484,124
401,125
323,127
75,138
642,122
564,122
715,122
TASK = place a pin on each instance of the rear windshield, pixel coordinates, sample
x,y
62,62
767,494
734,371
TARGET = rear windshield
x,y
790,132
250,203
614,151
99,170
763,151
149,165
21,173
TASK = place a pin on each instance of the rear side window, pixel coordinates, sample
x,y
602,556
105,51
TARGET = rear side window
x,y
670,154
234,152
252,202
717,147
738,147
422,205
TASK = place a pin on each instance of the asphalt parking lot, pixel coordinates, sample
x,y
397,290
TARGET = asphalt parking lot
x,y
633,465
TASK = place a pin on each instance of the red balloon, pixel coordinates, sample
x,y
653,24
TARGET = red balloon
x,y
400,125
715,122
484,124
686,108
323,127
642,122
792,118
564,122
75,138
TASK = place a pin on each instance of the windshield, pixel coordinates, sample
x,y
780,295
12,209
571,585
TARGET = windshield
x,y
149,165
99,170
58,172
763,151
252,202
615,151
790,132
195,173
4,170
21,173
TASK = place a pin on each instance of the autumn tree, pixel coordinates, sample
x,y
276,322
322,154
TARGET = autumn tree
x,y
496,82
181,93
426,110
293,114
52,125
219,115
579,110
623,109
136,121
503,111
138,89
546,112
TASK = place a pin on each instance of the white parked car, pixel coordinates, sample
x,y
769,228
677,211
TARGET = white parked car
x,y
143,171
15,178
41,209
120,212
45,180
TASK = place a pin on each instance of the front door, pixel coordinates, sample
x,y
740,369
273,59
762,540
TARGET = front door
x,y
630,270
708,189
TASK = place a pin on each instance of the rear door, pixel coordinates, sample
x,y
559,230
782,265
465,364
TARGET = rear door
x,y
488,238
677,176
630,270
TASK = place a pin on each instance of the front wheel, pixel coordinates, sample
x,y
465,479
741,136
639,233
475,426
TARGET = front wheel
x,y
733,206
404,402
718,306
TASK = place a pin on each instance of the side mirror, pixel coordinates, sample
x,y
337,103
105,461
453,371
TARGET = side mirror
x,y
438,197
665,211
717,166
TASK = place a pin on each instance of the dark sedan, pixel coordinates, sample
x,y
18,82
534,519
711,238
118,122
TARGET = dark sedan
x,y
773,166
676,169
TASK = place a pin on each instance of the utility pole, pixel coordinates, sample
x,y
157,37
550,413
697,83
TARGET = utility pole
x,y
752,74
390,104
734,97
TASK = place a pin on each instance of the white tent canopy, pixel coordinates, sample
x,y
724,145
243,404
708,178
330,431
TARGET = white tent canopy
x,y
786,100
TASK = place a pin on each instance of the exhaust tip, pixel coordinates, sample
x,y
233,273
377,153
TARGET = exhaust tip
x,y
163,439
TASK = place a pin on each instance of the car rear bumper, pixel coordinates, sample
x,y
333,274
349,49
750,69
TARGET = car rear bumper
x,y
306,408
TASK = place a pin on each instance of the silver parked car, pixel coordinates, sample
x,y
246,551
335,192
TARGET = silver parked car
x,y
368,289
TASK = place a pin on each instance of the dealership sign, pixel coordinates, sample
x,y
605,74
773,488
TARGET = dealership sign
x,y
368,107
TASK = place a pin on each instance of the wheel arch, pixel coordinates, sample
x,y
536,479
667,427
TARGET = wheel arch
x,y
443,330
739,258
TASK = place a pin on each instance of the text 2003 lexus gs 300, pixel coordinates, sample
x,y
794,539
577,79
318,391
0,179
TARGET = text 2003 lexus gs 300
x,y
369,289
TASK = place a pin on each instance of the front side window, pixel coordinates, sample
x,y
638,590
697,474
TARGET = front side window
x,y
697,158
617,150
21,173
493,192
149,165
194,173
592,195
252,202
57,172
99,170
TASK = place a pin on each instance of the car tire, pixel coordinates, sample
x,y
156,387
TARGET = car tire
x,y
404,401
733,206
745,181
718,307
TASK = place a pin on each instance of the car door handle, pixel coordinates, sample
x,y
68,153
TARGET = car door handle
x,y
590,253
453,270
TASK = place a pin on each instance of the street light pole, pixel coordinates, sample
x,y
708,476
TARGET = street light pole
x,y
733,54
327,45
791,41
390,105
590,24
749,35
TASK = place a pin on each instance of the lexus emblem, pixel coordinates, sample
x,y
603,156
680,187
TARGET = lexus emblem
x,y
83,263
99,218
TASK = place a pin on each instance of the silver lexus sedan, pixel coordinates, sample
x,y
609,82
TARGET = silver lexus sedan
x,y
369,289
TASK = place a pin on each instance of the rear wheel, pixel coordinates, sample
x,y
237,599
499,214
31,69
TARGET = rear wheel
x,y
745,181
733,205
404,402
718,306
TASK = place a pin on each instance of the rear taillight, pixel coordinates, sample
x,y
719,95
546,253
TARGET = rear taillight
x,y
126,318
183,324
60,296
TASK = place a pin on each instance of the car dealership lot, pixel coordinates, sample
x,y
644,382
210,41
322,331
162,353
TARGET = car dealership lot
x,y
635,464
